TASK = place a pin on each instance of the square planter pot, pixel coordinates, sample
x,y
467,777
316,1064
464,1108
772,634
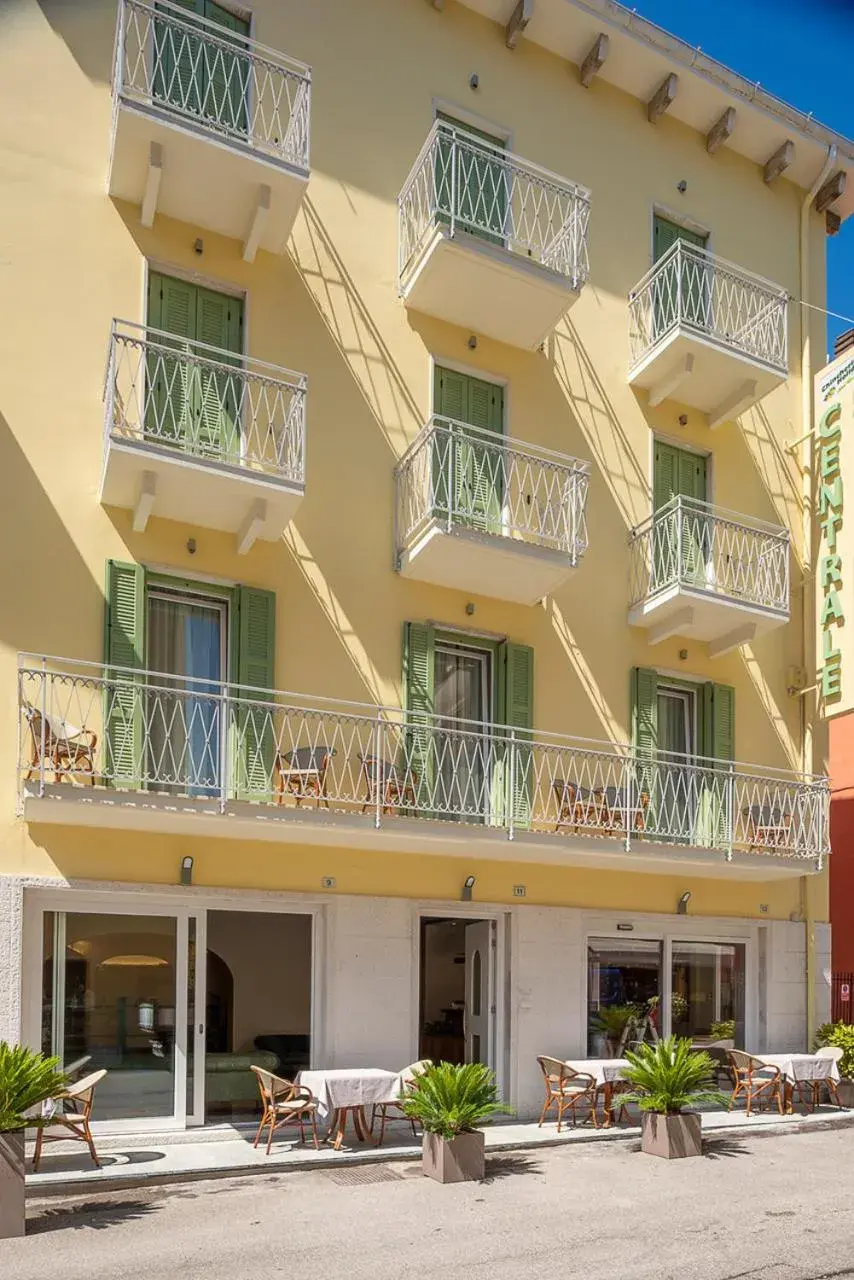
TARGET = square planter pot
x,y
12,1214
671,1136
459,1160
845,1089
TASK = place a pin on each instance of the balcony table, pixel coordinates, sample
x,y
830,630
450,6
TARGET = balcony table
x,y
797,1067
606,1072
346,1091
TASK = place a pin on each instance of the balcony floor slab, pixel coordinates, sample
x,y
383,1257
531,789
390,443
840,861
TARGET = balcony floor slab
x,y
98,808
704,374
501,568
701,614
206,180
486,289
197,491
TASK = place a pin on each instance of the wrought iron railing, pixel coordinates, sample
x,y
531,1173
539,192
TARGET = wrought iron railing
x,y
208,403
199,72
691,544
690,287
464,477
461,182
116,729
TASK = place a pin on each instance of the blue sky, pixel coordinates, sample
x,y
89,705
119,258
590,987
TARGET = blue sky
x,y
801,50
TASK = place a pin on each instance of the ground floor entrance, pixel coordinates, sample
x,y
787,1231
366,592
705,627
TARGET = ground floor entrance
x,y
457,990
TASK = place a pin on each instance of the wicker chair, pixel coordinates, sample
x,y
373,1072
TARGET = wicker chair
x,y
284,1102
621,807
64,749
70,1111
576,806
755,1079
565,1088
391,787
302,773
768,827
814,1086
382,1109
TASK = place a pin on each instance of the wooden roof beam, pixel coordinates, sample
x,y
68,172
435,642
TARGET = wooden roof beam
x,y
720,131
831,191
595,60
519,19
779,162
662,98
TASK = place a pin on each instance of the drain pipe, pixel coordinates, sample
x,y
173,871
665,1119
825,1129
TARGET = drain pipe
x,y
808,576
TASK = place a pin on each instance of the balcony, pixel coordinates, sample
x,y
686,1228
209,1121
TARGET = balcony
x,y
208,126
197,434
702,572
489,241
132,749
488,515
706,333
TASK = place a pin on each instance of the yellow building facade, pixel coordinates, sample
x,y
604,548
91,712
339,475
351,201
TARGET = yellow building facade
x,y
406,613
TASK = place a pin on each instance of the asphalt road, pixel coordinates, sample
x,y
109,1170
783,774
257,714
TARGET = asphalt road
x,y
774,1208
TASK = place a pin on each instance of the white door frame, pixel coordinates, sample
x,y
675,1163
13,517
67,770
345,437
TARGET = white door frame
x,y
468,911
181,906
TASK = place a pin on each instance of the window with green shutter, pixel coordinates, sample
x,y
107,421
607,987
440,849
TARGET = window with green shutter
x,y
472,181
469,475
124,650
682,294
681,542
199,75
256,647
718,747
189,403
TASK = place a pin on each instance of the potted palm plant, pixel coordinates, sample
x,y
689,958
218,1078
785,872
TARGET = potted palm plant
x,y
26,1080
667,1077
841,1036
451,1102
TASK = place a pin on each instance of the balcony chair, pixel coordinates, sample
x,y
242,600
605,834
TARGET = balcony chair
x,y
576,806
620,807
60,747
755,1078
382,1109
387,785
283,1102
565,1088
70,1111
768,826
302,773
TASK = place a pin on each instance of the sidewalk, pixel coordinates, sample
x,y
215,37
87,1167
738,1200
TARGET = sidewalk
x,y
226,1150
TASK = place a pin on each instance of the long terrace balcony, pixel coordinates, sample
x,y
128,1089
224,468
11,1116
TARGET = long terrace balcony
x,y
126,748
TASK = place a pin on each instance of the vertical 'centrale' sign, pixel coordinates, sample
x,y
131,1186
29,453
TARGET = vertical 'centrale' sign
x,y
834,410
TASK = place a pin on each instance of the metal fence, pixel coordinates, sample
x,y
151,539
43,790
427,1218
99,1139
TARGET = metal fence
x,y
691,544
694,289
203,73
142,731
466,478
207,402
465,184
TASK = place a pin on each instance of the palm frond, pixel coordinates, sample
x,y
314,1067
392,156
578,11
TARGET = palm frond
x,y
450,1099
26,1080
670,1076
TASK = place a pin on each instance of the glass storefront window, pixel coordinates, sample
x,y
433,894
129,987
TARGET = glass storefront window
x,y
707,991
623,977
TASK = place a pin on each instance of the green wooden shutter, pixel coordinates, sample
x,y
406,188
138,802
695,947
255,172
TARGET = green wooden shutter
x,y
217,398
256,648
178,74
419,674
663,558
644,703
169,400
716,817
479,184
475,473
227,75
124,646
691,481
450,400
516,690
678,472
693,284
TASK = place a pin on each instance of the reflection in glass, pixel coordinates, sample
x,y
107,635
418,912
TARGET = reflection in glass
x,y
622,975
707,1002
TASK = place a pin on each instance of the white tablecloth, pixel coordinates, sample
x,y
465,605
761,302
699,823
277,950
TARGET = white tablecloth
x,y
601,1069
351,1087
802,1066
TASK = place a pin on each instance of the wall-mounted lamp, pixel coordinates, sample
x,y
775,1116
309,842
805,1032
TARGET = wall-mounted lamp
x,y
186,870
199,246
468,885
472,343
682,904
191,546
682,187
473,81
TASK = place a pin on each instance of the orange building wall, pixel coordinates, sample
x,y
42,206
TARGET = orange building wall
x,y
842,842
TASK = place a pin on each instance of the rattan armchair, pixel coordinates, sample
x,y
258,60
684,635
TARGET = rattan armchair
x,y
565,1088
302,773
826,1051
755,1079
382,1109
284,1102
69,1111
62,748
388,785
577,806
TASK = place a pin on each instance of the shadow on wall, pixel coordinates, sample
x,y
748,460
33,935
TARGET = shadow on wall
x,y
88,31
53,603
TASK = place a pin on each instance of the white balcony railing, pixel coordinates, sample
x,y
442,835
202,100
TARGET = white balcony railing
x,y
690,288
210,404
462,183
116,729
200,73
466,478
698,547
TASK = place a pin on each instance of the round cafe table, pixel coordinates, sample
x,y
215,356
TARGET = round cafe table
x,y
345,1092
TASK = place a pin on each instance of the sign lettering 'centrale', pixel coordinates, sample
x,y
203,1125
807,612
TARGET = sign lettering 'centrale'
x,y
834,411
